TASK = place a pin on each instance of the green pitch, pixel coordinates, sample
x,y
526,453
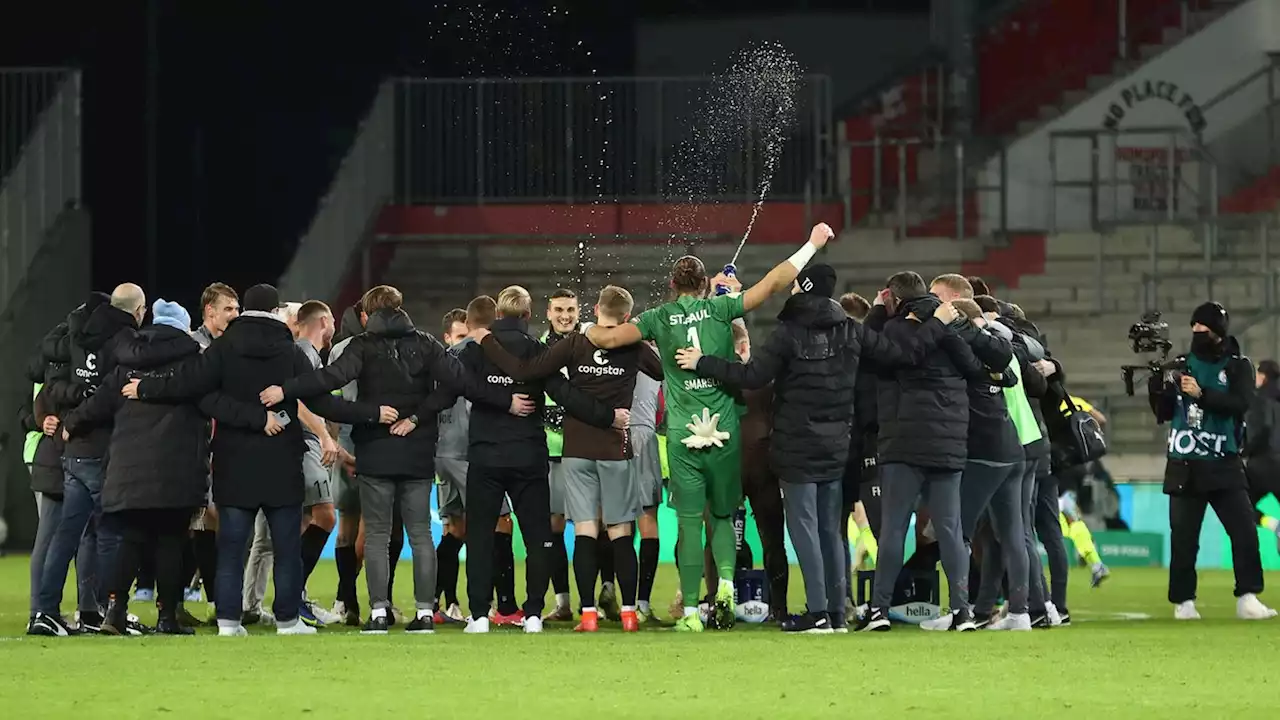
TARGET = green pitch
x,y
1110,664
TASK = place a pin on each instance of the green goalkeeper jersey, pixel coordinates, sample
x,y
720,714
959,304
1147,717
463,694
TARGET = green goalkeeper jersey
x,y
703,323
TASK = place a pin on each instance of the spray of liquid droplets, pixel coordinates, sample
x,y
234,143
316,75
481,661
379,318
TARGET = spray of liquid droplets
x,y
739,134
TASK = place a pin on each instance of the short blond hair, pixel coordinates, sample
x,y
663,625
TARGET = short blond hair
x,y
855,306
514,301
957,284
615,302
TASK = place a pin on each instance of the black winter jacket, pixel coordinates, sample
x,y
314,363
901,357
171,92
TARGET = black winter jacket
x,y
812,358
159,450
1262,429
94,336
250,468
992,434
46,470
924,410
398,366
500,439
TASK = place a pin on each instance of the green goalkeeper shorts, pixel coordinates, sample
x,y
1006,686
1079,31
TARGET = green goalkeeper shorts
x,y
705,479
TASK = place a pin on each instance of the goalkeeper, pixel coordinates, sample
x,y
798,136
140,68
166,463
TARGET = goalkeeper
x,y
704,455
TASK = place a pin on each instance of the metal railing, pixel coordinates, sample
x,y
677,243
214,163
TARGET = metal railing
x,y
1131,175
583,140
363,185
40,153
913,183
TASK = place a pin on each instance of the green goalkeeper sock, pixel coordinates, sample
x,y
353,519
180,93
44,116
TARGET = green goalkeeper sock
x,y
724,546
689,550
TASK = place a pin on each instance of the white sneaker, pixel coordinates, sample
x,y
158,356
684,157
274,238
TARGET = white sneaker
x,y
1012,621
475,626
1051,612
532,624
1249,607
1187,610
297,628
233,631
942,623
325,616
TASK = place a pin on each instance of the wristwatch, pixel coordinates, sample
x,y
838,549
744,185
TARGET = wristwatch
x,y
413,419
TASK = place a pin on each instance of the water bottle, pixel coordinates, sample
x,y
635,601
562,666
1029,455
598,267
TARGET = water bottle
x,y
730,271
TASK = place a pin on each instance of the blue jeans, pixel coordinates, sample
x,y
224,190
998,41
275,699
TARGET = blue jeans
x,y
235,529
81,507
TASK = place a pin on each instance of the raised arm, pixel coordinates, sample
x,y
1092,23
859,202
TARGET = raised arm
x,y
781,276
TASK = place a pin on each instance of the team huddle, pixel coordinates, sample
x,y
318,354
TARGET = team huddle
x,y
186,456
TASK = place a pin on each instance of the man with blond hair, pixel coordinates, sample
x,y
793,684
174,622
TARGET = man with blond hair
x,y
508,457
598,480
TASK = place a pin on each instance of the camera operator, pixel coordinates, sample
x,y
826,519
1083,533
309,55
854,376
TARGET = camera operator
x,y
1205,405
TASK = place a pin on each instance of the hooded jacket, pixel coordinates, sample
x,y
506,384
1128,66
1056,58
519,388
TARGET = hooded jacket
x,y
158,450
924,409
250,468
399,366
812,358
94,336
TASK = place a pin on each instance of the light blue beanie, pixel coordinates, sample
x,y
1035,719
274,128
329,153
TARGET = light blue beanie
x,y
171,314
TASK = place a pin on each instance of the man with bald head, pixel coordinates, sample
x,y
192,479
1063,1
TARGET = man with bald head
x,y
95,329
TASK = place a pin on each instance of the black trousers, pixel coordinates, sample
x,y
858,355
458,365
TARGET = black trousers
x,y
1264,479
140,531
761,487
530,495
1186,515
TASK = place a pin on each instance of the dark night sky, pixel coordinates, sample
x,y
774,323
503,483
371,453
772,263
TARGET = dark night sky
x,y
258,100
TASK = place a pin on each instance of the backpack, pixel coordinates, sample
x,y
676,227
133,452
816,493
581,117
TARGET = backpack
x,y
1083,441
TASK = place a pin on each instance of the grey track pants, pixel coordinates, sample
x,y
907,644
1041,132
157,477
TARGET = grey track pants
x,y
997,491
377,501
1050,532
259,566
50,513
993,568
813,522
902,486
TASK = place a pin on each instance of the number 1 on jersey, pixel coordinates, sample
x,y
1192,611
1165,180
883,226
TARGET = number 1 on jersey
x,y
693,338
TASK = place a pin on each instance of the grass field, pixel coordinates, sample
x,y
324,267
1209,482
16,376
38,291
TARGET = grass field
x,y
1110,662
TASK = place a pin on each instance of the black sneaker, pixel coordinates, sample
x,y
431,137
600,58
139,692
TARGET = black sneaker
x,y
839,624
962,621
46,625
250,617
116,621
173,626
1040,621
375,626
778,615
424,625
1066,617
808,624
91,623
876,620
351,615
982,620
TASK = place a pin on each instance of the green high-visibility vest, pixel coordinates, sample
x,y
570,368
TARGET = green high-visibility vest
x,y
1020,408
33,437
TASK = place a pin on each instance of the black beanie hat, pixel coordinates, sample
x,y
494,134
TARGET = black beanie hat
x,y
1213,316
818,279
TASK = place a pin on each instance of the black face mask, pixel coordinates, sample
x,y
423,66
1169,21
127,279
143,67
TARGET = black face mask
x,y
1202,343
